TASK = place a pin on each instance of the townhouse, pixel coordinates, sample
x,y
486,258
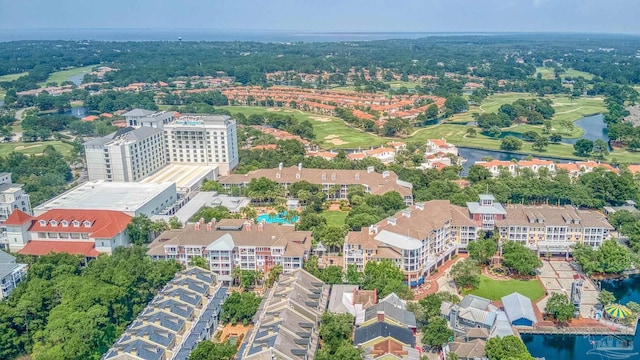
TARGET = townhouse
x,y
12,196
181,315
335,182
231,243
11,274
514,167
286,325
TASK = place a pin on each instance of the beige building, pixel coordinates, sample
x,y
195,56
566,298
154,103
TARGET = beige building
x,y
417,239
232,243
209,140
330,179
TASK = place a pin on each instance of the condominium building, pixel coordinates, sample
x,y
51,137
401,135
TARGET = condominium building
x,y
232,243
73,231
126,155
417,240
204,140
535,165
147,118
553,229
335,183
287,323
12,197
11,274
184,313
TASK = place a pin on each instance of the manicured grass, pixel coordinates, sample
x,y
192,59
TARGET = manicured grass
x,y
63,75
11,77
33,147
576,73
331,132
398,84
547,73
496,289
336,218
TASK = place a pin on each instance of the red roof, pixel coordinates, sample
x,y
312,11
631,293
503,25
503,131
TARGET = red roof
x,y
18,217
90,118
105,224
40,248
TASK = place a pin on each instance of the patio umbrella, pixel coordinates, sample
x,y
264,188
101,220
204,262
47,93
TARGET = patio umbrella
x,y
617,311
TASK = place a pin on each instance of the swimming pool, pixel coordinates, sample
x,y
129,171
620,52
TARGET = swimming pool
x,y
278,219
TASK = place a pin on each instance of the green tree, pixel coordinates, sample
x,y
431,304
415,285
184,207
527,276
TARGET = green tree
x,y
482,250
436,333
386,278
519,258
606,297
139,229
199,262
175,223
239,307
208,350
559,307
274,274
431,112
510,143
466,273
507,348
540,143
583,147
211,185
471,132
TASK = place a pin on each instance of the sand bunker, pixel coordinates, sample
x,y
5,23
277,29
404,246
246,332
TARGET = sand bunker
x,y
337,142
320,118
273,109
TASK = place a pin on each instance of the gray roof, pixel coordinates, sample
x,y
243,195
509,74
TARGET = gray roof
x,y
138,112
6,258
395,301
474,302
138,347
336,304
402,316
502,326
486,197
518,306
383,329
127,134
476,208
152,333
400,241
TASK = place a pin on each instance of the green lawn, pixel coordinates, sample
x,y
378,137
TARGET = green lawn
x,y
331,132
11,77
33,147
334,217
63,75
547,73
496,289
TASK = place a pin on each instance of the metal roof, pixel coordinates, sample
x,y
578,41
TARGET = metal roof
x,y
518,306
398,240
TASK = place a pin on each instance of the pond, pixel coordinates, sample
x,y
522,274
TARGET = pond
x,y
77,111
594,129
558,347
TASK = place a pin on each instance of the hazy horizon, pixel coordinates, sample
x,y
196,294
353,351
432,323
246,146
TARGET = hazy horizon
x,y
334,16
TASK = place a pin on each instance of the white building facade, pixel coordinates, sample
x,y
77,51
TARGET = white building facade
x,y
204,140
12,197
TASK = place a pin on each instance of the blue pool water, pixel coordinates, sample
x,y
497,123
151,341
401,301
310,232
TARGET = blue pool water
x,y
278,219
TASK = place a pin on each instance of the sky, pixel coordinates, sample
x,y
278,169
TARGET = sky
x,y
594,16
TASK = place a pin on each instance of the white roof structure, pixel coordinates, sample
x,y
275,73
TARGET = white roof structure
x,y
398,240
518,306
128,197
186,177
502,326
223,243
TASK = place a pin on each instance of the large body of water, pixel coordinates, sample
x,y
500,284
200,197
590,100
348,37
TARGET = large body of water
x,y
581,347
212,35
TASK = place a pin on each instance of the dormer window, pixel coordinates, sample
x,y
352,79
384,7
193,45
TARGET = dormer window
x,y
53,223
64,223
43,222
277,175
324,176
333,176
76,223
87,223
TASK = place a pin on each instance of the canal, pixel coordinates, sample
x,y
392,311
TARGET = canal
x,y
559,347
593,126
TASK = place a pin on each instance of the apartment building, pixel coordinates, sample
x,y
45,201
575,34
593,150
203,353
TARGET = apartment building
x,y
553,229
12,197
330,179
126,155
535,165
203,140
286,325
74,231
11,274
147,118
417,240
181,315
232,243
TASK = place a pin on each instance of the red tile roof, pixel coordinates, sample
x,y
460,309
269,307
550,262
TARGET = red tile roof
x,y
105,224
18,217
90,118
40,248
634,169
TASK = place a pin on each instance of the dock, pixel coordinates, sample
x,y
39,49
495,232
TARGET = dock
x,y
578,330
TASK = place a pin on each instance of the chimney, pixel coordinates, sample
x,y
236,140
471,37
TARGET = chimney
x,y
280,166
201,221
260,226
299,166
209,226
197,226
213,221
247,226
380,315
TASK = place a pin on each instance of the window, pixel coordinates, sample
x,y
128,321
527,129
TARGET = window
x,y
53,223
87,223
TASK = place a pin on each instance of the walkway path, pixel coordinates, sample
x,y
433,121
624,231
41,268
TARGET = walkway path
x,y
441,280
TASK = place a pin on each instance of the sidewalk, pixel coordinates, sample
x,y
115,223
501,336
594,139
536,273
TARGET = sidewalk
x,y
441,281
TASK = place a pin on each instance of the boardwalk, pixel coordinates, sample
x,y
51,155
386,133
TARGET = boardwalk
x,y
577,330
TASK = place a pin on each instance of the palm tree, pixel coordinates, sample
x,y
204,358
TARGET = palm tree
x,y
236,274
272,215
259,276
248,212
